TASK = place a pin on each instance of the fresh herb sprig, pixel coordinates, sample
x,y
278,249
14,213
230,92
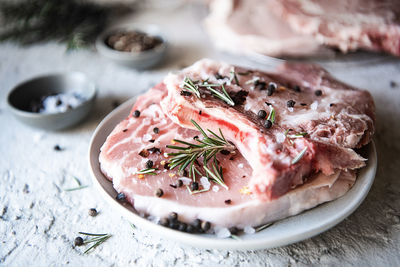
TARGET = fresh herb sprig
x,y
207,149
193,86
79,187
97,239
271,116
299,156
150,171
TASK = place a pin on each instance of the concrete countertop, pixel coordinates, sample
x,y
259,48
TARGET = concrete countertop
x,y
39,220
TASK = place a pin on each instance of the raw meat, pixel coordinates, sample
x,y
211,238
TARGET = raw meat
x,y
347,25
335,116
251,26
120,160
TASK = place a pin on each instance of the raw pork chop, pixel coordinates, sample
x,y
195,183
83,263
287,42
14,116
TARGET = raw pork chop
x,y
348,25
124,153
306,100
251,26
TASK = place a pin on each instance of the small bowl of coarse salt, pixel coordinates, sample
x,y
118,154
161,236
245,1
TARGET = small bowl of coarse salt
x,y
53,102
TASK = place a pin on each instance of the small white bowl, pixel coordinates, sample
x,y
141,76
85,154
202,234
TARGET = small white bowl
x,y
137,60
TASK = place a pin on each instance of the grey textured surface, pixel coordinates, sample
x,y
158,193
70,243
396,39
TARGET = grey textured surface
x,y
39,220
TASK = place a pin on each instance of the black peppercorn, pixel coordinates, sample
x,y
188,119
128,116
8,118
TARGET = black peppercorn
x,y
121,197
290,103
267,124
228,201
195,186
179,183
262,114
173,216
156,130
318,93
149,164
136,113
182,227
164,222
190,228
173,224
197,224
186,93
296,88
78,241
57,148
92,212
233,230
271,88
225,152
159,192
205,226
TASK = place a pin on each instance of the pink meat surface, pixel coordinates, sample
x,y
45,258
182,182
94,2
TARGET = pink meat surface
x,y
120,160
252,26
348,25
335,116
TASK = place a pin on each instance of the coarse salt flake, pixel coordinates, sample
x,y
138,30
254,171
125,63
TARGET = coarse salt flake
x,y
223,233
249,230
280,137
185,180
146,137
314,105
240,166
215,188
205,183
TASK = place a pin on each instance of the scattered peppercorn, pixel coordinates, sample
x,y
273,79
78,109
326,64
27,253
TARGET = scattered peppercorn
x,y
225,152
267,124
121,197
190,228
166,166
173,224
271,88
149,164
228,201
159,192
197,224
57,148
136,113
219,76
173,186
262,114
152,140
290,103
303,104
58,102
205,226
124,130
186,93
318,93
156,130
233,230
240,97
179,183
260,85
93,212
164,222
182,227
393,84
78,241
144,153
173,216
195,137
296,88
332,104
268,104
195,186
153,150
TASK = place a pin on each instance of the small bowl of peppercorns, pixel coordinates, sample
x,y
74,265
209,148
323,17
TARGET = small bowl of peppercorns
x,y
138,46
54,101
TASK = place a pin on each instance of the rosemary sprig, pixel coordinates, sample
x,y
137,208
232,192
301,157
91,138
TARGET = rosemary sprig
x,y
196,191
224,96
262,227
188,84
79,187
235,237
297,135
234,77
271,116
299,156
150,171
193,86
207,149
98,239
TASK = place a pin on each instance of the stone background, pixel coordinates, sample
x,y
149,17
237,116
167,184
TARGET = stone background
x,y
39,220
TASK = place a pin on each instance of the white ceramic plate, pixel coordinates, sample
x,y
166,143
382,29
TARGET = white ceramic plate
x,y
283,232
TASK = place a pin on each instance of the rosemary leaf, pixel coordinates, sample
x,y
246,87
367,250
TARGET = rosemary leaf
x,y
90,234
271,116
76,188
150,171
235,237
299,156
262,227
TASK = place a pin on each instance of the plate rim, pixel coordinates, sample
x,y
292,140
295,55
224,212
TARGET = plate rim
x,y
202,241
